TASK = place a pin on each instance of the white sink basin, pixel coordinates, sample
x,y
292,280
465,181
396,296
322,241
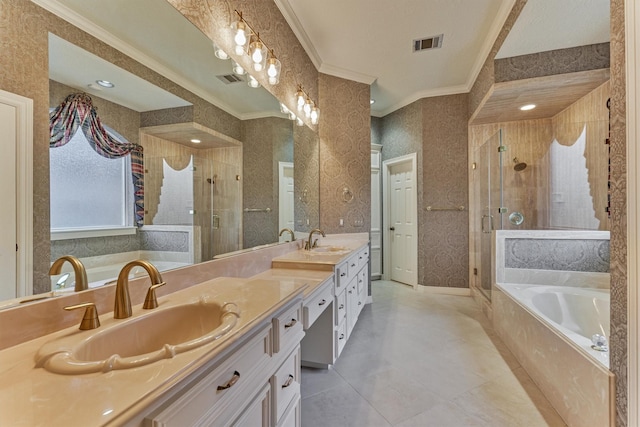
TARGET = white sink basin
x,y
159,334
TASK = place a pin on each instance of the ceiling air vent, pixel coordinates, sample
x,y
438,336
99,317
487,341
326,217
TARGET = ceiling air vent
x,y
434,42
230,79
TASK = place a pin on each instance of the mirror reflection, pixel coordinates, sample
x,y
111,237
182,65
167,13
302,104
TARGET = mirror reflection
x,y
212,185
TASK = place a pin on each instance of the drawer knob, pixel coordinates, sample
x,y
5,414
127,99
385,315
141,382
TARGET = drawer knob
x,y
359,302
290,324
323,302
341,337
341,307
353,265
343,274
288,382
350,292
234,379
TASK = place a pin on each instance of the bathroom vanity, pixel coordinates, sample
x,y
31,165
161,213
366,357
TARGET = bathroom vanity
x,y
300,311
332,310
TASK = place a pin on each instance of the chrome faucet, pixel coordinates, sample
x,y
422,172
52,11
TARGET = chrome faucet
x,y
290,231
122,308
78,269
308,246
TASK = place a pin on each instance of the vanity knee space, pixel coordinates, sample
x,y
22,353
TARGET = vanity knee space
x,y
332,311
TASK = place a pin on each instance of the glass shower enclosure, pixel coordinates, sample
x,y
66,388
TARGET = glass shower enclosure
x,y
490,201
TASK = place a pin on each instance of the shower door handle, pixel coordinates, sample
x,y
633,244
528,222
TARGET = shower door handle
x,y
490,223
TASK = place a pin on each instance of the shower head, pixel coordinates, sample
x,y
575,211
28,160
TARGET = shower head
x,y
519,166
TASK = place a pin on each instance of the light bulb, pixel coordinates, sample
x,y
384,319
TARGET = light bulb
x,y
300,99
315,114
219,53
292,115
273,70
299,121
240,35
307,108
237,69
256,56
252,82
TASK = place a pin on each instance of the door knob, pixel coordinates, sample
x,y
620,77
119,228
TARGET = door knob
x,y
392,228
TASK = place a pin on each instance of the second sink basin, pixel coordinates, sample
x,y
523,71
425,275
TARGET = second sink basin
x,y
330,250
159,334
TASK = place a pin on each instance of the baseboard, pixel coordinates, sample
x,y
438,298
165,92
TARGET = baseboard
x,y
443,290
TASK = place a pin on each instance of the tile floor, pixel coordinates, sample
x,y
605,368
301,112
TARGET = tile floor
x,y
423,359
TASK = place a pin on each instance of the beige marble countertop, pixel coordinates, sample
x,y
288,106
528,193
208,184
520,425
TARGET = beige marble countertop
x,y
324,261
311,278
32,396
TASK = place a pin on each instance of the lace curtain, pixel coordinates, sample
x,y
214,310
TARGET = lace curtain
x,y
77,111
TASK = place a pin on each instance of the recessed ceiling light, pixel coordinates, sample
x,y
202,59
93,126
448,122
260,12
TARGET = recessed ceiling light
x,y
528,107
371,101
196,141
105,83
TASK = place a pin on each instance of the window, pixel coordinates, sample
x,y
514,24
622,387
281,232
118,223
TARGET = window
x,y
89,191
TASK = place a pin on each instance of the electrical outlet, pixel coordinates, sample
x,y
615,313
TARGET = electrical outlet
x,y
341,222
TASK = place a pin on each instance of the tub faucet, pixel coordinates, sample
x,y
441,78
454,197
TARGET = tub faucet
x,y
285,230
308,246
78,269
122,308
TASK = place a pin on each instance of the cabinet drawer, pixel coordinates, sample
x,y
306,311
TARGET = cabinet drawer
x,y
314,308
286,328
363,257
204,402
257,413
342,275
362,280
341,337
341,306
286,385
292,417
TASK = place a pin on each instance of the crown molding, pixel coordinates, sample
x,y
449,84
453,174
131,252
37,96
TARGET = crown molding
x,y
335,71
103,35
296,26
489,41
451,90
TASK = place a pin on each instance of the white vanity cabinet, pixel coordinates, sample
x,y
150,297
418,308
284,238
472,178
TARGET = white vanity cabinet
x,y
327,337
255,382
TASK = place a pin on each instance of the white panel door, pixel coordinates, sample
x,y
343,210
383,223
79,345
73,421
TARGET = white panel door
x,y
8,238
402,220
285,199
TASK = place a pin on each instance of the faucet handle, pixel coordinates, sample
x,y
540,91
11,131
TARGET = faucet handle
x,y
90,319
150,301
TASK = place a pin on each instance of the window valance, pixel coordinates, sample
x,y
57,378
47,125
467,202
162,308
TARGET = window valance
x,y
77,112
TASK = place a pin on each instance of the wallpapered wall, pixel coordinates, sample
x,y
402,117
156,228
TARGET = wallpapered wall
x,y
345,155
265,143
436,129
618,342
560,61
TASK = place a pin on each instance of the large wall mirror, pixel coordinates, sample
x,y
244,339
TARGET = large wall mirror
x,y
224,169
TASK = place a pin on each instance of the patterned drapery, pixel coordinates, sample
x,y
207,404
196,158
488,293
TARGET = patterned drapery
x,y
77,111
